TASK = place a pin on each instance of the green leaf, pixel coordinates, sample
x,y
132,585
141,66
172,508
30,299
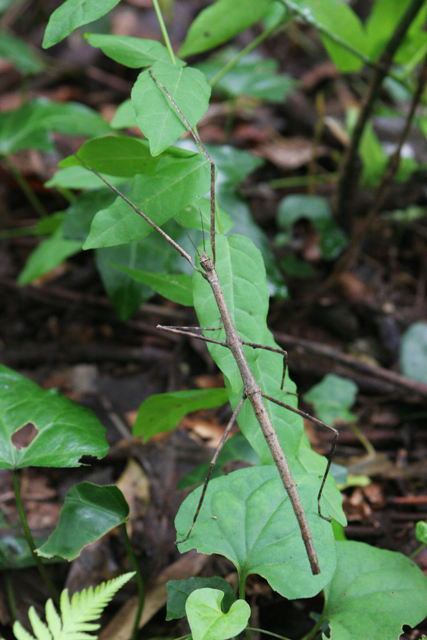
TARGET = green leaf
x,y
252,76
115,155
81,212
208,622
89,512
413,352
332,399
47,225
176,183
221,22
72,14
125,293
21,129
80,178
372,585
163,411
77,613
198,216
179,590
132,52
339,19
421,531
19,53
316,209
66,431
248,518
155,114
177,288
16,554
49,254
125,116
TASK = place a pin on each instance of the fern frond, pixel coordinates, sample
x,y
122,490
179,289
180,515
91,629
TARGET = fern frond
x,y
77,614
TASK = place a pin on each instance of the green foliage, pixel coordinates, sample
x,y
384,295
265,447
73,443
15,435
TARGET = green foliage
x,y
175,287
66,431
49,254
332,399
373,593
162,412
251,76
332,239
89,512
413,352
16,554
221,22
207,620
20,54
77,614
72,14
248,518
132,52
421,531
157,121
179,590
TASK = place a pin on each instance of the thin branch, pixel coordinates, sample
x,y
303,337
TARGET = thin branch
x,y
347,172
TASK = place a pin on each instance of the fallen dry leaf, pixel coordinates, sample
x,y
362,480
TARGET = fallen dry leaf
x,y
290,153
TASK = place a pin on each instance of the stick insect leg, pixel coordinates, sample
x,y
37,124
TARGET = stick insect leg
x,y
333,445
212,464
282,352
186,331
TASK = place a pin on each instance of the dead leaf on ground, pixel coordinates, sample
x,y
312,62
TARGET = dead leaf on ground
x,y
135,486
290,153
120,627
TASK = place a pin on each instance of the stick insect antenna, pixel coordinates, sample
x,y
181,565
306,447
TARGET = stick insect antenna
x,y
205,153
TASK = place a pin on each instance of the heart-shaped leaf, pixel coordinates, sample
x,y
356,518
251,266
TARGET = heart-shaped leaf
x,y
208,622
332,399
89,512
373,593
179,590
66,431
248,518
156,116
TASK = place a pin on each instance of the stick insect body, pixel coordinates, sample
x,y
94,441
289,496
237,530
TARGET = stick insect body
x,y
251,389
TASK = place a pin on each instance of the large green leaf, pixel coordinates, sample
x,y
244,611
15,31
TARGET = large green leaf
x,y
72,14
89,512
155,114
373,593
413,352
198,216
220,22
163,411
19,53
48,255
179,590
207,620
132,52
80,178
332,399
248,518
82,210
121,156
176,183
175,287
21,129
66,431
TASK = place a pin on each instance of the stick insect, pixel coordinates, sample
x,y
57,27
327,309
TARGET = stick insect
x,y
251,389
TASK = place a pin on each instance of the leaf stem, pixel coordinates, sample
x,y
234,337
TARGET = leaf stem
x,y
10,596
141,590
418,550
39,564
244,52
268,633
29,193
164,30
313,633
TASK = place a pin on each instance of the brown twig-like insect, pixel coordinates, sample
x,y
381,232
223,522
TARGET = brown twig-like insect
x,y
251,389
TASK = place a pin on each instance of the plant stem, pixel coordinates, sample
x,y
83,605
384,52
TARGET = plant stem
x,y
164,30
268,633
313,633
308,18
141,590
39,564
10,596
242,581
302,181
244,52
362,439
418,550
29,193
344,190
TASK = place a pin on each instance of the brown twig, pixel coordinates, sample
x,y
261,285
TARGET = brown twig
x,y
356,244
